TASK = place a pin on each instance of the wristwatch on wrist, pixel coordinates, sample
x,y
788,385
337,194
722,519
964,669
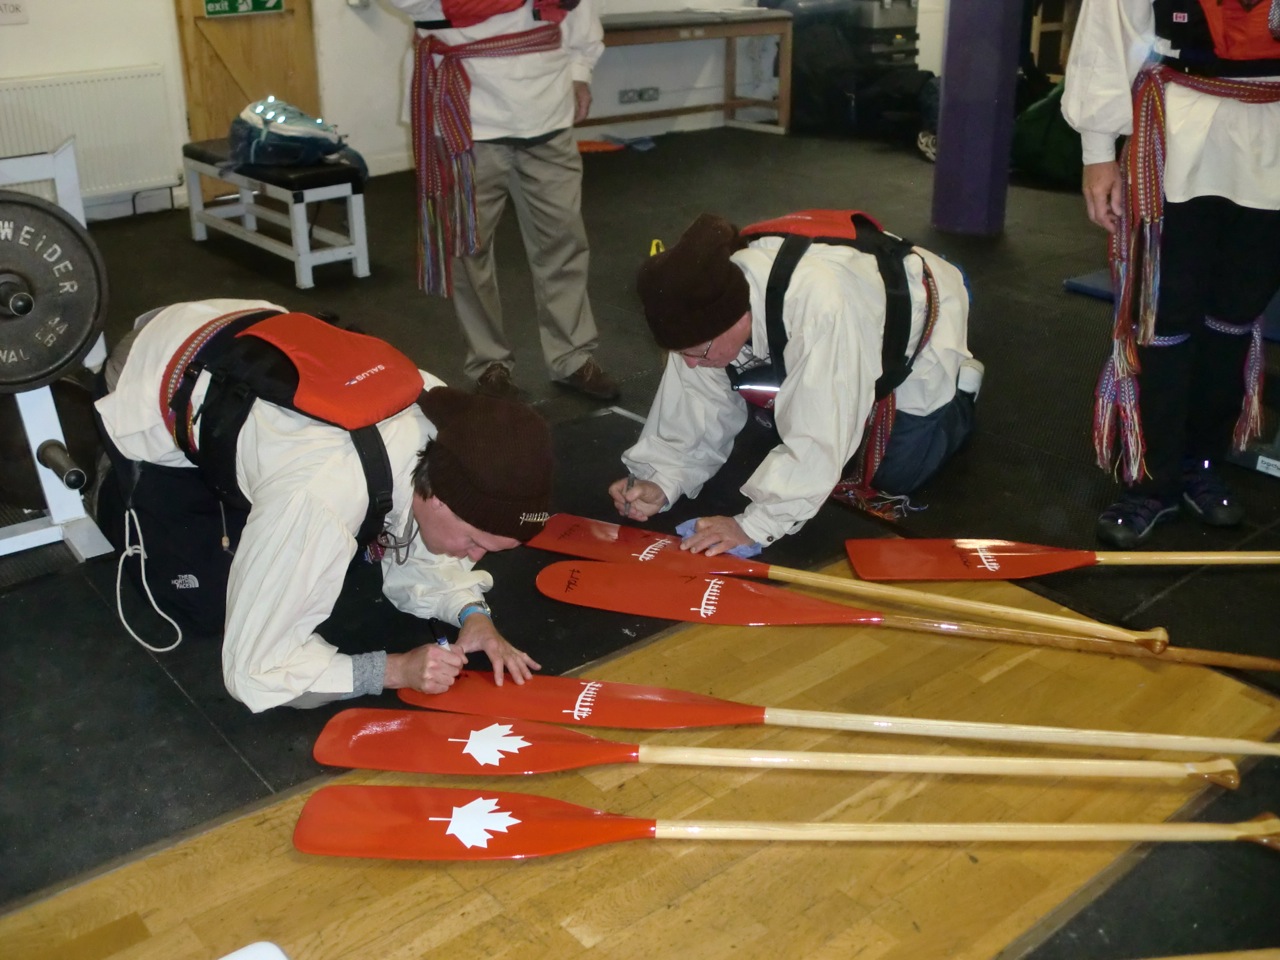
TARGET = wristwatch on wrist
x,y
475,606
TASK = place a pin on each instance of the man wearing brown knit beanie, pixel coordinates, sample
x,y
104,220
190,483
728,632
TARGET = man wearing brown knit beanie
x,y
464,475
851,338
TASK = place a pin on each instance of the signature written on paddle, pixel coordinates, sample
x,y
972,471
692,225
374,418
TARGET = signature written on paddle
x,y
573,580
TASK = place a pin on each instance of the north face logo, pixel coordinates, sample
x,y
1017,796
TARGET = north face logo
x,y
186,581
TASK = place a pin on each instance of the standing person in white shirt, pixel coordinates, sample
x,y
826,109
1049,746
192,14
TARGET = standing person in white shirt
x,y
467,475
1193,209
853,417
495,89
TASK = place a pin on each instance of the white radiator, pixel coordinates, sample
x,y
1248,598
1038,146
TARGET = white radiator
x,y
120,120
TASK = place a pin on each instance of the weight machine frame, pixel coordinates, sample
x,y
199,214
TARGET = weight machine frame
x,y
66,520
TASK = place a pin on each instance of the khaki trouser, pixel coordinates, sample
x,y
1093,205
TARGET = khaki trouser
x,y
545,186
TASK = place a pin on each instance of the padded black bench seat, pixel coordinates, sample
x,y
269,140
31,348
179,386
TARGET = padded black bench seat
x,y
295,187
217,153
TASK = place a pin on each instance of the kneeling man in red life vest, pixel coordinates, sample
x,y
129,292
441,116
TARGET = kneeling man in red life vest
x,y
433,477
854,338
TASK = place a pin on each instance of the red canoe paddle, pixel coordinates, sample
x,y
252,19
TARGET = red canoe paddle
x,y
892,558
437,823
630,706
414,741
710,598
614,543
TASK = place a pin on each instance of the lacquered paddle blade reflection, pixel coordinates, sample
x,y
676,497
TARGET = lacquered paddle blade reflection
x,y
592,703
696,598
895,559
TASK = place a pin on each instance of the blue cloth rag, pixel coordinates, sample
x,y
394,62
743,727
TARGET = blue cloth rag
x,y
744,552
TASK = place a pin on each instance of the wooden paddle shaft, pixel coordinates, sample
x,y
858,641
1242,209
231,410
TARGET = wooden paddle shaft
x,y
1154,640
1175,558
1206,658
1016,733
1264,830
1221,772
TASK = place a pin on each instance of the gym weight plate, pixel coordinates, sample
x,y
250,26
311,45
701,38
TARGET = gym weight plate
x,y
53,292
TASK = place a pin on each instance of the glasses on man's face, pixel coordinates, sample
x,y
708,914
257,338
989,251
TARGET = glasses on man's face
x,y
698,356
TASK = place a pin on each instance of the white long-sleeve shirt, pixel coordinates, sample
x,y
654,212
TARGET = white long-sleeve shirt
x,y
834,317
1216,146
307,489
522,96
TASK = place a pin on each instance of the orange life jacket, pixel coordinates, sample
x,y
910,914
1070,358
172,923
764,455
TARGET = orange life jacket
x,y
467,13
298,362
1230,38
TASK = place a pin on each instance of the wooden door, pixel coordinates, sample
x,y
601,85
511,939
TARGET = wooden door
x,y
230,61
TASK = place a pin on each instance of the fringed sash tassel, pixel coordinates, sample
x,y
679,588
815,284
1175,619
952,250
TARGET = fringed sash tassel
x,y
856,489
1249,423
1135,257
440,108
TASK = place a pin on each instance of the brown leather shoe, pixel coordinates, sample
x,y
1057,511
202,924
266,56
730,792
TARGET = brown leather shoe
x,y
496,382
592,381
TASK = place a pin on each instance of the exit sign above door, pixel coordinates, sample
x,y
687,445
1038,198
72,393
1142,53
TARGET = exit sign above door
x,y
233,8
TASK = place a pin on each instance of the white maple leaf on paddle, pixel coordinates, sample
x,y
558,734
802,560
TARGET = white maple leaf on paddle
x,y
490,745
475,823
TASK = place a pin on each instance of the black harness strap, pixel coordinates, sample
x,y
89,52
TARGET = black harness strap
x,y
890,252
377,479
775,291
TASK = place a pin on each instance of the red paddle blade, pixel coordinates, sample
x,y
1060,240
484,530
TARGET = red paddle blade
x,y
591,703
892,559
614,543
704,598
698,598
429,823
418,742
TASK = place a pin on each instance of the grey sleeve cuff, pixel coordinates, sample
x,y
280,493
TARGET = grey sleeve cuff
x,y
368,673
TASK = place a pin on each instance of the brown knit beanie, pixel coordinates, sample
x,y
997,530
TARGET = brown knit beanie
x,y
490,462
692,292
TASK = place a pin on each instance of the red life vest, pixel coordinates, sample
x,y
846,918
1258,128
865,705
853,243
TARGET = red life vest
x,y
1240,30
823,226
467,13
1221,37
298,362
348,379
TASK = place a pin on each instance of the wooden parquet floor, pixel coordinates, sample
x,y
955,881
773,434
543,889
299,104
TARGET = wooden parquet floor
x,y
241,881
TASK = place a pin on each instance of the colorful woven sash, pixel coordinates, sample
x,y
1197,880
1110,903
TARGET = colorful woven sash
x,y
440,106
856,489
176,368
1135,256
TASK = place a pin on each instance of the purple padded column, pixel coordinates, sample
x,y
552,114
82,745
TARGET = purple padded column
x,y
975,122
